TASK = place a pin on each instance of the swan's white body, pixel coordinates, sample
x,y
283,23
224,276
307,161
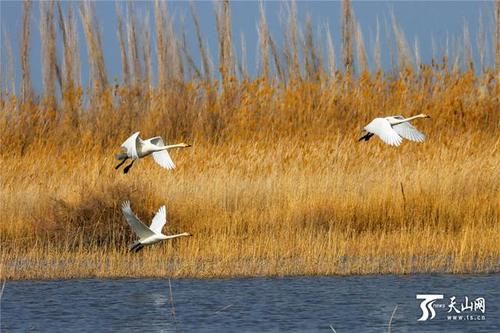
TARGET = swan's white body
x,y
135,148
147,235
392,130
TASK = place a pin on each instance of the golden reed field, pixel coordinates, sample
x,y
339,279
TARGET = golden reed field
x,y
275,183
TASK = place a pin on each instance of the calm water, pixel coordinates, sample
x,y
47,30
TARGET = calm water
x,y
305,304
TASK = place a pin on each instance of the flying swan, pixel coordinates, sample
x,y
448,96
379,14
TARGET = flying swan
x,y
134,148
151,235
393,129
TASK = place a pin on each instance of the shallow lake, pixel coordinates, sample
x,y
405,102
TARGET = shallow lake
x,y
296,304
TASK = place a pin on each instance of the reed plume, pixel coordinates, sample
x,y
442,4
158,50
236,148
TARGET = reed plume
x,y
404,54
361,50
332,67
49,60
347,40
147,54
120,31
377,52
26,92
133,47
223,22
263,41
206,66
497,37
468,62
95,54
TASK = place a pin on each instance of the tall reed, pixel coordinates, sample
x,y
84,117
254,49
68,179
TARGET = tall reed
x,y
24,52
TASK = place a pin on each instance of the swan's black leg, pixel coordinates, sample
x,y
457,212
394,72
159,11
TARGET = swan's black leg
x,y
127,168
136,247
121,163
366,137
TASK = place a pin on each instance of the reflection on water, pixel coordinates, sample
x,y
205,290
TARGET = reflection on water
x,y
300,304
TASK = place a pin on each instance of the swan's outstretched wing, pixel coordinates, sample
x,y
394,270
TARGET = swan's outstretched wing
x,y
131,145
164,160
406,130
162,157
159,220
139,228
409,132
383,129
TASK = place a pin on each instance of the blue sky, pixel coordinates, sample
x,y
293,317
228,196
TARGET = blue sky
x,y
419,19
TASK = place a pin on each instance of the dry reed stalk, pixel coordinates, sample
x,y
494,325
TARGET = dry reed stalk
x,y
98,75
481,42
311,57
147,50
468,62
446,53
223,22
332,67
377,53
456,60
174,53
404,54
161,43
361,50
242,63
390,46
280,73
120,31
71,57
26,89
434,49
347,39
292,41
193,69
170,68
10,63
418,60
49,60
206,68
133,47
263,42
496,37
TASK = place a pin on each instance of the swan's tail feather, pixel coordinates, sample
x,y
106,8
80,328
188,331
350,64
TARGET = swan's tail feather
x,y
121,156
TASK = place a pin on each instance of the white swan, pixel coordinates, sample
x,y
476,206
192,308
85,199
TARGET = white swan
x,y
393,129
151,235
134,148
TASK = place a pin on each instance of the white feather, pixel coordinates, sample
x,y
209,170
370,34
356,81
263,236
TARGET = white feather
x,y
383,129
132,146
159,220
139,228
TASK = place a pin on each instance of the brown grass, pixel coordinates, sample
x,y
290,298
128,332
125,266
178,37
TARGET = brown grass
x,y
275,183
